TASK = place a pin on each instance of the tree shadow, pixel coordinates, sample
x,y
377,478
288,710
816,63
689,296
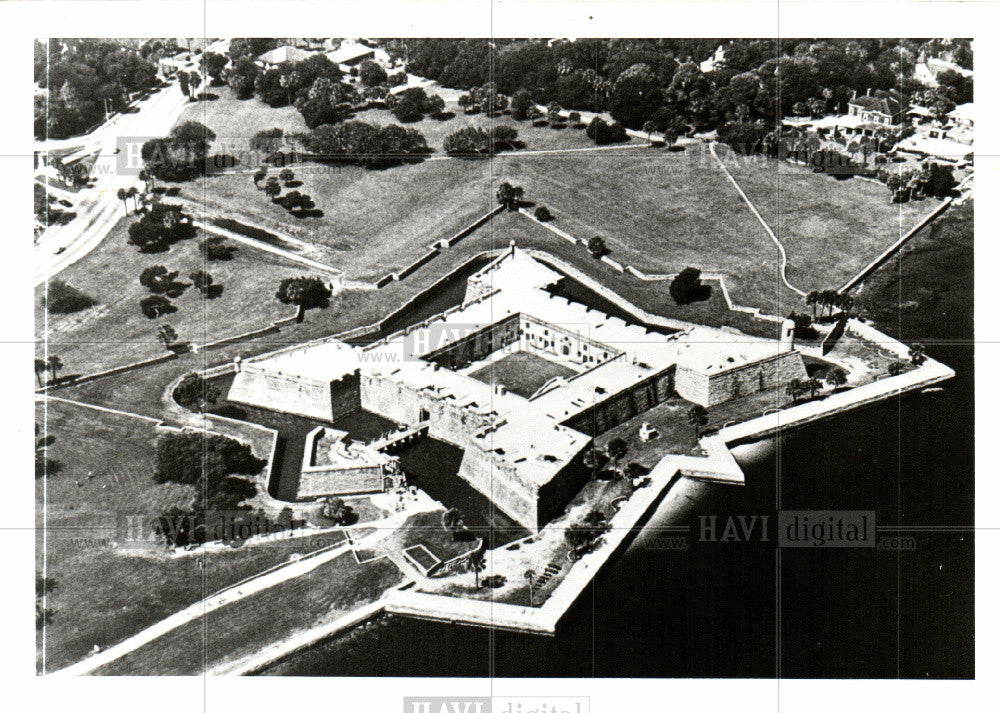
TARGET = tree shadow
x,y
444,116
214,291
206,97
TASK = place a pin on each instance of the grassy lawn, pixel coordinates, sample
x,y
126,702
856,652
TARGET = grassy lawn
x,y
248,625
372,222
830,228
658,211
115,332
235,121
104,594
425,529
676,434
397,211
521,372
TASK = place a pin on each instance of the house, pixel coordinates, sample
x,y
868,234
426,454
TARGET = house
x,y
929,69
351,53
280,55
881,108
962,116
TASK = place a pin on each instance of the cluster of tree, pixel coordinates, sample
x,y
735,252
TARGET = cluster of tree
x,y
687,287
603,132
85,77
797,388
161,281
509,196
639,80
931,179
338,512
366,145
212,463
181,154
159,227
189,83
486,99
827,301
194,393
413,104
475,141
305,293
582,536
52,365
597,247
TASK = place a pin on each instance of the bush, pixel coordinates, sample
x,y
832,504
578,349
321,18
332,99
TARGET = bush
x,y
543,214
216,248
66,299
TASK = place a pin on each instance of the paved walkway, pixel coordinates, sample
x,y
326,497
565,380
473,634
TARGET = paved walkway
x,y
753,209
199,609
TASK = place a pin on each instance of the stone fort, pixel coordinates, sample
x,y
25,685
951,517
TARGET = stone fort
x,y
523,447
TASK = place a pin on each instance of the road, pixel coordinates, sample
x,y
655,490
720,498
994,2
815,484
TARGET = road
x,y
97,207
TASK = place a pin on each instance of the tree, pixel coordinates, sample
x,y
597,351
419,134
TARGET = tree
x,y
543,214
813,300
194,393
167,335
201,280
796,388
286,175
259,175
156,306
509,196
597,247
617,448
272,188
336,510
520,103
529,574
687,287
158,280
918,354
451,521
305,293
123,197
41,366
697,416
835,378
372,73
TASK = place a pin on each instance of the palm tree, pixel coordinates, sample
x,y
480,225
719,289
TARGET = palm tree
x,y
132,193
812,300
54,365
40,367
123,197
530,576
697,416
918,354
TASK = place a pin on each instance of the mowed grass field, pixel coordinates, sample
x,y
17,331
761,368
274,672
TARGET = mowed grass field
x,y
244,627
371,222
104,593
831,228
115,332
